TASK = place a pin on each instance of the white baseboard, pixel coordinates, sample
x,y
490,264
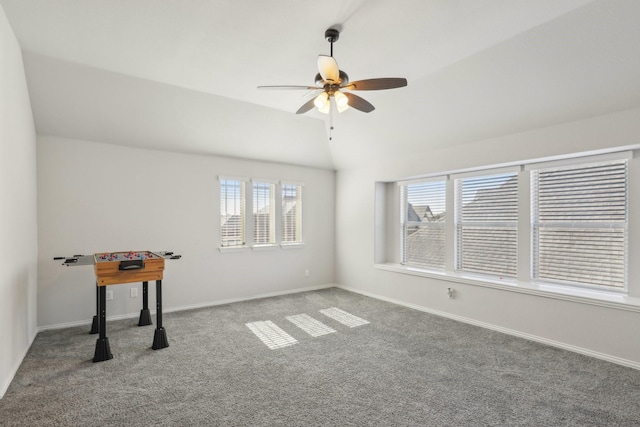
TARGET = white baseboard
x,y
189,307
530,337
5,385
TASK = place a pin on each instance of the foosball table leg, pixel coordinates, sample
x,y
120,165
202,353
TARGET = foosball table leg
x,y
103,350
160,335
145,314
94,323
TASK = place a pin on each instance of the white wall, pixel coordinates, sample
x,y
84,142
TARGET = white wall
x,y
18,223
95,197
604,332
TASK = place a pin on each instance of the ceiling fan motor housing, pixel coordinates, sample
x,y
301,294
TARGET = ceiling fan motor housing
x,y
344,79
332,35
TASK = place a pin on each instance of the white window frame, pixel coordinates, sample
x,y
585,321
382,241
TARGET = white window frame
x,y
285,242
248,219
386,231
436,226
470,260
263,202
240,207
575,255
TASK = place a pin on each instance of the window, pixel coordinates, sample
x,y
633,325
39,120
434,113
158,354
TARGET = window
x,y
579,218
291,214
543,225
423,221
487,224
232,212
252,217
263,213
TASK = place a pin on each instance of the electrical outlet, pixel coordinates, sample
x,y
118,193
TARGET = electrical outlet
x,y
109,295
133,292
306,273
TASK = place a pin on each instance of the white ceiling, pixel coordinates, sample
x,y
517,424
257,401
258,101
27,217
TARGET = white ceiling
x,y
182,75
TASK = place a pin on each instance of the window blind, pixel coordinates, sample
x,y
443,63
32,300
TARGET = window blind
x,y
263,213
580,224
423,213
291,213
232,212
486,224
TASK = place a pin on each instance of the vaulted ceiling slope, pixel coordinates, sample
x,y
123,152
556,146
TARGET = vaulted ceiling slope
x,y
182,76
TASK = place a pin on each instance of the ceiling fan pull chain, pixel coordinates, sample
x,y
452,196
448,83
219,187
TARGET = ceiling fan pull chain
x,y
331,124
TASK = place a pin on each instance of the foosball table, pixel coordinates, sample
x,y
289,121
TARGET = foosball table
x,y
113,268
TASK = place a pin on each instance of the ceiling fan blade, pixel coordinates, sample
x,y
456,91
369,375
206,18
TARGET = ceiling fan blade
x,y
359,103
286,87
313,92
328,68
377,84
306,106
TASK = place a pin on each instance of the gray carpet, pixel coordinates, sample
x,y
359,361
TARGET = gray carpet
x,y
404,368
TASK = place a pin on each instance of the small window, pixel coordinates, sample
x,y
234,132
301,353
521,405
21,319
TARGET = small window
x,y
423,221
579,216
263,213
291,213
232,213
487,224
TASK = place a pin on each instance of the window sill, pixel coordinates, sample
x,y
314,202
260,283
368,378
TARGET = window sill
x,y
584,296
292,245
269,247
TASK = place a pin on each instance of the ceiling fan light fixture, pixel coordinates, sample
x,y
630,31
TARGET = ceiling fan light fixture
x,y
341,98
325,109
321,100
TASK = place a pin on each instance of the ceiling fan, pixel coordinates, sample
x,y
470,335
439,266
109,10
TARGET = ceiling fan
x,y
333,84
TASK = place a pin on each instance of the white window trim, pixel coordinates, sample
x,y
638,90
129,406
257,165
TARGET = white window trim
x,y
264,247
292,245
404,222
606,159
282,244
274,211
575,161
459,223
598,297
249,215
240,179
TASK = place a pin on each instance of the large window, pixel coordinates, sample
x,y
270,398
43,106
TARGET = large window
x,y
562,222
579,218
487,224
264,213
423,221
232,213
291,213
